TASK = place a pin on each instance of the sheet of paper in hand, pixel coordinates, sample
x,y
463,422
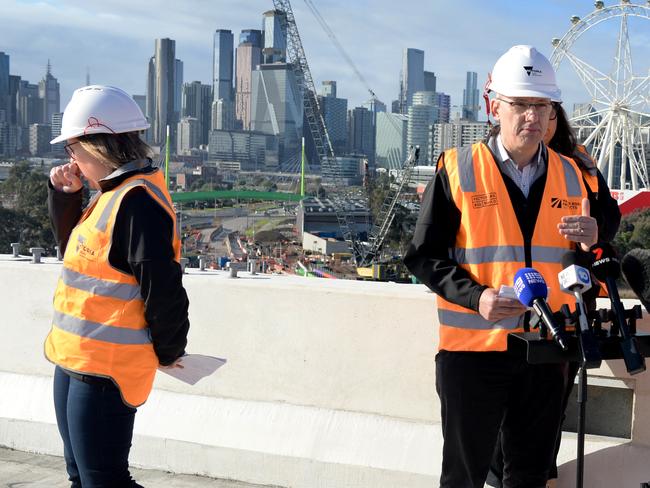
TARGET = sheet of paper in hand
x,y
194,367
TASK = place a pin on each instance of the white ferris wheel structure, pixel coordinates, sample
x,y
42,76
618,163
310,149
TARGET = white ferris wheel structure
x,y
615,125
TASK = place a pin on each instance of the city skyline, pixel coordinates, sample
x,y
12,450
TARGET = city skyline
x,y
456,38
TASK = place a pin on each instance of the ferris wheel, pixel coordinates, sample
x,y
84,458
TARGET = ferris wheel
x,y
615,125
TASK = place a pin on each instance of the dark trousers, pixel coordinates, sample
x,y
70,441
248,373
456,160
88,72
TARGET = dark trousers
x,y
482,393
495,476
96,428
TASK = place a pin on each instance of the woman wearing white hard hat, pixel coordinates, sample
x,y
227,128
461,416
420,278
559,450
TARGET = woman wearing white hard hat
x,y
120,309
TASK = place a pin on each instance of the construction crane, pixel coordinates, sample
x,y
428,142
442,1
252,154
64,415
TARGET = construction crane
x,y
367,253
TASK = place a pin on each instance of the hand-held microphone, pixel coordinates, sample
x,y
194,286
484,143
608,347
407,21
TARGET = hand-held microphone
x,y
607,269
575,279
531,290
636,270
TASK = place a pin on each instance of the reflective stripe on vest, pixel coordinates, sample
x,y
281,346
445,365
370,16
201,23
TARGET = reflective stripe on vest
x,y
99,325
101,332
489,243
497,254
123,291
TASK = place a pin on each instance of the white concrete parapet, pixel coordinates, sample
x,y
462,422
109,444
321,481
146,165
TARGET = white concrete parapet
x,y
328,383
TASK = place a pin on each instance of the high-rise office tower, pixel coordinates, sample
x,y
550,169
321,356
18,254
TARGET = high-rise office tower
x,y
470,98
12,108
361,133
48,91
421,115
275,40
251,36
429,81
57,122
412,75
222,78
187,135
390,147
197,103
328,89
443,101
248,58
163,104
40,136
4,83
335,112
276,108
29,104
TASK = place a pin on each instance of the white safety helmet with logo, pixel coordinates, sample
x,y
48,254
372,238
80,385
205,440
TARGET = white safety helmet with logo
x,y
99,109
524,72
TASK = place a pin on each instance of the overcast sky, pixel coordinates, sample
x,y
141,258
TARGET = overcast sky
x,y
115,39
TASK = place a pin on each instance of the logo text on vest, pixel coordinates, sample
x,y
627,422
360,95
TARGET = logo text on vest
x,y
484,200
564,203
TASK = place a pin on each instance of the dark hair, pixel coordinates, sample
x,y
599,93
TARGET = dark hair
x,y
564,140
114,150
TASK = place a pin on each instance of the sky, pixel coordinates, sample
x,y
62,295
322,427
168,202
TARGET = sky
x,y
114,39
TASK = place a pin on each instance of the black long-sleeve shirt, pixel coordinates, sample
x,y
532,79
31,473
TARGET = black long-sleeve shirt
x,y
428,256
142,247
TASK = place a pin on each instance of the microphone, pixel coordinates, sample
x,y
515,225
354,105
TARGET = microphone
x,y
575,279
607,269
636,270
531,290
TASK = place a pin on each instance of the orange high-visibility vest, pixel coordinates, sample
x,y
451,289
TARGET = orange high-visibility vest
x,y
99,326
489,243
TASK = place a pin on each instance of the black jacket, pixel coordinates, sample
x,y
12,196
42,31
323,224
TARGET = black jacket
x,y
428,256
142,247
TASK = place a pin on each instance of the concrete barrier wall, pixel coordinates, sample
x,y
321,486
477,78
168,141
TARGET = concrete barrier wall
x,y
328,383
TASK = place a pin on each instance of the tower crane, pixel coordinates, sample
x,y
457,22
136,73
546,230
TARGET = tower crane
x,y
364,253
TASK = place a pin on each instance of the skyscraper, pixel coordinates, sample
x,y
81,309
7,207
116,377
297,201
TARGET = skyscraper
x,y
328,89
187,135
412,75
335,116
443,101
390,146
248,57
222,77
361,133
275,40
163,99
276,108
48,91
421,115
4,82
57,122
470,98
197,103
429,81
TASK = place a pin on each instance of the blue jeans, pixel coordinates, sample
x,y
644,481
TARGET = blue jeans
x,y
96,428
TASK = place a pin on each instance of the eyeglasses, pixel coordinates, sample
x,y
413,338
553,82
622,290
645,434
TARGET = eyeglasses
x,y
68,149
543,109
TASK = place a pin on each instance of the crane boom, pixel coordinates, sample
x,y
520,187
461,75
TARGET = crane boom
x,y
330,168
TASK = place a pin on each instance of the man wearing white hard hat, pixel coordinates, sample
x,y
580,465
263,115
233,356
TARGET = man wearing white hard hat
x,y
491,209
120,309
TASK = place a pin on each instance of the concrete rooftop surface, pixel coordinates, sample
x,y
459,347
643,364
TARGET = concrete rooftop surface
x,y
24,469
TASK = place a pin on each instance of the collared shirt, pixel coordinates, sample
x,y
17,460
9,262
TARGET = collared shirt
x,y
524,177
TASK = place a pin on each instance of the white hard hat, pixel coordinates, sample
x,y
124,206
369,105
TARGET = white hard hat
x,y
99,109
524,72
